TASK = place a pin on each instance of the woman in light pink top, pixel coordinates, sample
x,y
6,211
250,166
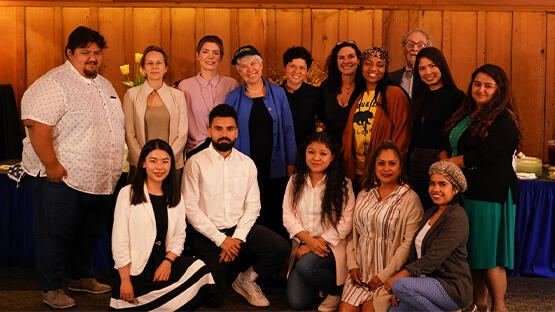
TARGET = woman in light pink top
x,y
204,91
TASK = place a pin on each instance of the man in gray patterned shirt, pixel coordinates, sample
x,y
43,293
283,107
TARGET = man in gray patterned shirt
x,y
72,155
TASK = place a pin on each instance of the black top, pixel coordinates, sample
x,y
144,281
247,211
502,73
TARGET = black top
x,y
160,207
444,254
432,112
261,136
488,161
334,116
158,253
305,104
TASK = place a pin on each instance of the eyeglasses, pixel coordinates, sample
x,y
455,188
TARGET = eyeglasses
x,y
410,44
345,42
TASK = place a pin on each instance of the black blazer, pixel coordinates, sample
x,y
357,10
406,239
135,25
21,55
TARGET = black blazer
x,y
489,170
444,255
396,76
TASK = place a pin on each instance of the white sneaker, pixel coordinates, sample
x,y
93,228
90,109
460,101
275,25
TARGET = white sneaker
x,y
250,290
329,304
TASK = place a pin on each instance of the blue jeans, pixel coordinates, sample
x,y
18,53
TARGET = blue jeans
x,y
309,274
67,226
421,294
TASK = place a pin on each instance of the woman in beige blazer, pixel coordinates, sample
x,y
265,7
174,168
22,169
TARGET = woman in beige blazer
x,y
154,110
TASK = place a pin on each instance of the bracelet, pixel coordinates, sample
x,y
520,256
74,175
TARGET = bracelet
x,y
170,260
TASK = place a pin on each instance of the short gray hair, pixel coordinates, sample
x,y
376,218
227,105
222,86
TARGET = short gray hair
x,y
427,35
257,57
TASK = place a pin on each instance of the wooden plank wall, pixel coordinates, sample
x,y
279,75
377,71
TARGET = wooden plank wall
x,y
522,42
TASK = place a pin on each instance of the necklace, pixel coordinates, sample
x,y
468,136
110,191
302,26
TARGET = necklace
x,y
254,91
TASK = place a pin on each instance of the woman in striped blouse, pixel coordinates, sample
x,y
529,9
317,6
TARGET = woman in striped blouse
x,y
387,213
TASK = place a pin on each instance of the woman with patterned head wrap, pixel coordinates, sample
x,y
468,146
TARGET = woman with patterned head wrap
x,y
380,113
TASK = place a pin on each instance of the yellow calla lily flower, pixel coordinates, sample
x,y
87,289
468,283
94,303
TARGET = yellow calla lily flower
x,y
124,69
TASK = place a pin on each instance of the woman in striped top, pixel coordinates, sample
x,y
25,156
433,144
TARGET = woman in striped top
x,y
387,213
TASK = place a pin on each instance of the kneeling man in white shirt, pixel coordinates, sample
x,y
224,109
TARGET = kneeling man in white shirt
x,y
222,202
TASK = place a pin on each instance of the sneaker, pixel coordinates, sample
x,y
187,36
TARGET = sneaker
x,y
250,290
58,299
329,304
89,285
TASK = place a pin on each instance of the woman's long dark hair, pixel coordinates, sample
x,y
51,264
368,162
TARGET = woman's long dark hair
x,y
170,185
482,119
334,81
336,193
370,179
420,88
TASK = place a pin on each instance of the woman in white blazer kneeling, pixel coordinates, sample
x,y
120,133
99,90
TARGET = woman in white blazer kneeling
x,y
148,237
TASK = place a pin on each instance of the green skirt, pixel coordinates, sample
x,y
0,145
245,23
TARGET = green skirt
x,y
492,233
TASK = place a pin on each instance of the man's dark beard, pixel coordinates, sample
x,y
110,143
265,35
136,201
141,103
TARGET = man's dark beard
x,y
223,147
91,74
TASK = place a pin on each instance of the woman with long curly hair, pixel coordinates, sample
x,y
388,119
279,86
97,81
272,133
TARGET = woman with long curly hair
x,y
342,86
435,98
483,136
387,214
317,213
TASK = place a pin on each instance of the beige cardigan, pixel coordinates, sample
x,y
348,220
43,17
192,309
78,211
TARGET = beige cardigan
x,y
409,220
134,108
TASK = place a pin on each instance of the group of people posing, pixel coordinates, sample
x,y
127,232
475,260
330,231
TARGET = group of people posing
x,y
368,214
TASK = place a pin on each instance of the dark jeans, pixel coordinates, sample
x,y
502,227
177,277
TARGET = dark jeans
x,y
271,199
264,250
310,274
67,224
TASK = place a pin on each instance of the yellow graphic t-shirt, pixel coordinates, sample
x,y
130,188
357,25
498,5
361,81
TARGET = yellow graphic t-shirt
x,y
362,126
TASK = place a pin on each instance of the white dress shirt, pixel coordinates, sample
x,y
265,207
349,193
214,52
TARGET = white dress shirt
x,y
87,128
308,215
406,80
221,193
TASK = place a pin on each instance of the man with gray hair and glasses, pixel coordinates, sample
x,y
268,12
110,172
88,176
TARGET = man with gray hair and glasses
x,y
413,41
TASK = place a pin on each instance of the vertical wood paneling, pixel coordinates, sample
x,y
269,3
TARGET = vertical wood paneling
x,y
360,27
307,28
112,27
460,54
528,77
147,28
289,31
252,29
42,53
378,28
430,22
218,22
395,25
550,83
183,44
498,39
9,37
325,25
